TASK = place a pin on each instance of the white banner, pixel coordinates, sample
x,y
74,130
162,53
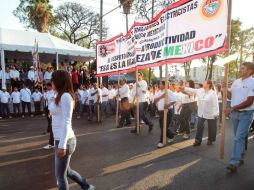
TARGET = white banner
x,y
185,30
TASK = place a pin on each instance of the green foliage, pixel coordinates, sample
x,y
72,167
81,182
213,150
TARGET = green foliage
x,y
36,14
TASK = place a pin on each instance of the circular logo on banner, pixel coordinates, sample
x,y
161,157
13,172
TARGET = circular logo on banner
x,y
211,8
103,51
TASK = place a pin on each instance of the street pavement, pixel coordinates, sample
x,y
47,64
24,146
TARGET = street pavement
x,y
115,159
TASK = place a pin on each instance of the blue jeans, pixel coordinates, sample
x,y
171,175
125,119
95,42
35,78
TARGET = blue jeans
x,y
104,108
241,123
143,113
62,168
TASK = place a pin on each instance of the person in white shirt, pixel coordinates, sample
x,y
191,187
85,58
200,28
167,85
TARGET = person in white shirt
x,y
47,75
8,79
65,140
14,75
141,94
152,94
208,110
241,95
177,110
48,99
37,98
91,94
25,95
79,97
30,78
220,97
112,99
97,96
104,100
161,104
85,100
125,105
15,96
5,100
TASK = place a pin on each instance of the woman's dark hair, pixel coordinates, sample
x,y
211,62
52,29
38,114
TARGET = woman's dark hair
x,y
211,86
63,84
218,87
191,84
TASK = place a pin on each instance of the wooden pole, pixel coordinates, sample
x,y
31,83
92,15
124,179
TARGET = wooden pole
x,y
225,90
137,101
164,136
117,102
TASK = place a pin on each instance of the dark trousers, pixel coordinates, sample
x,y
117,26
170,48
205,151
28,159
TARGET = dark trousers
x,y
170,134
143,113
49,129
220,108
16,107
125,114
91,110
37,107
5,110
24,105
185,119
212,129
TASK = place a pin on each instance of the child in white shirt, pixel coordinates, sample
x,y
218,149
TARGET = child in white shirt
x,y
15,96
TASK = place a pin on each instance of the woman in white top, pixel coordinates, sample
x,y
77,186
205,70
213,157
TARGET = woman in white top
x,y
208,110
65,141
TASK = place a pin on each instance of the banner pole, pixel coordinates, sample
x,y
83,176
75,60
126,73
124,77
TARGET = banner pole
x,y
225,89
98,104
164,136
137,107
117,101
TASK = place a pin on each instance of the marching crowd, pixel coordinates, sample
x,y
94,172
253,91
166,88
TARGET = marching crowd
x,y
188,105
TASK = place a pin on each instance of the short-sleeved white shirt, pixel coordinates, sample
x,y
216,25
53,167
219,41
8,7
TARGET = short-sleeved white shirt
x,y
142,90
111,94
160,103
105,91
5,96
241,90
37,96
15,97
25,95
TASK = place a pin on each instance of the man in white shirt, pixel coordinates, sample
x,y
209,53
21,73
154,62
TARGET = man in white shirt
x,y
5,99
15,96
104,100
142,99
31,77
48,75
242,98
97,95
125,105
37,97
91,92
8,79
112,99
14,75
161,105
48,99
85,99
25,95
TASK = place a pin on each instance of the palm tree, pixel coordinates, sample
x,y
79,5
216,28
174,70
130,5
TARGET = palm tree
x,y
41,14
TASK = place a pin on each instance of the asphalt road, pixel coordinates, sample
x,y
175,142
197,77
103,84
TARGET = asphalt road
x,y
114,159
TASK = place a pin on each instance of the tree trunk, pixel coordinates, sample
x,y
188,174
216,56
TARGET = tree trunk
x,y
208,67
210,71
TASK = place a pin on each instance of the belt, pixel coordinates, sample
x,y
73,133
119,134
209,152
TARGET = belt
x,y
243,111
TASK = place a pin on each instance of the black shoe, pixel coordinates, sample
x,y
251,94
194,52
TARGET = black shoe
x,y
119,127
150,128
127,124
209,143
231,168
196,143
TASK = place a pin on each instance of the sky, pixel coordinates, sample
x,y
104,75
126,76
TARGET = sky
x,y
115,21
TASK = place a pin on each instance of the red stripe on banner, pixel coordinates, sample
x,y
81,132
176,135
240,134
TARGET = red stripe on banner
x,y
181,60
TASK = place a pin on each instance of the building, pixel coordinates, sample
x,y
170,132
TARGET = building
x,y
198,74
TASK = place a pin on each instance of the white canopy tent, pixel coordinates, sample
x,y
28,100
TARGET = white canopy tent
x,y
23,41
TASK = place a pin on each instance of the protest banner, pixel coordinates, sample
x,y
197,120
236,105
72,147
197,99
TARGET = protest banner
x,y
195,29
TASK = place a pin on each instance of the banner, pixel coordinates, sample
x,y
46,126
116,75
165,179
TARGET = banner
x,y
185,30
38,76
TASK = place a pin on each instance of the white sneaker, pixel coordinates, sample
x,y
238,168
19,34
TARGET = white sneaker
x,y
142,122
170,140
23,116
47,147
78,117
160,145
10,117
186,137
91,187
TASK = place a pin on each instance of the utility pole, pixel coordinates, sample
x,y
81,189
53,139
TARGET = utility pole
x,y
150,71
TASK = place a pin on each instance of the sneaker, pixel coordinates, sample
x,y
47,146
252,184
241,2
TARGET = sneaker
x,y
186,136
196,143
160,145
142,122
31,115
47,147
209,143
10,117
23,116
78,117
170,140
91,187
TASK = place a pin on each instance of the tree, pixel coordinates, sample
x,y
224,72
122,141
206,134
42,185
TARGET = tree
x,y
78,24
36,14
209,61
187,66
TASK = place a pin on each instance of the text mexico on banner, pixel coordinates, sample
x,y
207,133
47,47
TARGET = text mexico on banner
x,y
186,30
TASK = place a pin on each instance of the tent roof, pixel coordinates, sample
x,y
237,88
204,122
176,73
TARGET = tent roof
x,y
23,41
